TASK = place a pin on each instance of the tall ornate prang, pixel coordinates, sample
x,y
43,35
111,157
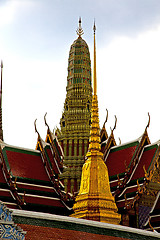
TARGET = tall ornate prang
x,y
95,201
76,117
1,130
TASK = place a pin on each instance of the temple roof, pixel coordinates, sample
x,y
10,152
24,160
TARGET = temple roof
x,y
126,165
120,157
30,179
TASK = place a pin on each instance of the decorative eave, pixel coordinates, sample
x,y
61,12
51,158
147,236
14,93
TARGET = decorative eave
x,y
110,142
12,185
143,140
56,183
58,151
103,132
55,146
147,179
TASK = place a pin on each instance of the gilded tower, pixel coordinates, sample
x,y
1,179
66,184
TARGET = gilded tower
x,y
94,200
76,117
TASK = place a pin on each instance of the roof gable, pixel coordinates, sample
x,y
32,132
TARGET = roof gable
x,y
25,164
119,157
145,161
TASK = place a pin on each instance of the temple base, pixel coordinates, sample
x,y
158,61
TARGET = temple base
x,y
97,209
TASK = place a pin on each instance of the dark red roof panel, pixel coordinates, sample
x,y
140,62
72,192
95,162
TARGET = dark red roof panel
x,y
120,157
25,164
145,160
2,179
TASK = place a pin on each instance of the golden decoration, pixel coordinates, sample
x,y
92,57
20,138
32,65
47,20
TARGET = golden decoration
x,y
94,200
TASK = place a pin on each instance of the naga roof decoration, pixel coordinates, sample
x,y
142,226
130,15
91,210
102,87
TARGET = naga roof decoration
x,y
56,149
103,132
109,142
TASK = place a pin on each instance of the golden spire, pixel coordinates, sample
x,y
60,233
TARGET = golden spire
x,y
94,71
94,200
79,29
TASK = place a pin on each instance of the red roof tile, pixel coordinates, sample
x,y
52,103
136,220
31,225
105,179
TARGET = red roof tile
x,y
119,157
2,179
40,232
145,160
26,165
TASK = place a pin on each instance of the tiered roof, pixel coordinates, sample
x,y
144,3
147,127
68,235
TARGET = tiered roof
x,y
29,178
122,162
131,168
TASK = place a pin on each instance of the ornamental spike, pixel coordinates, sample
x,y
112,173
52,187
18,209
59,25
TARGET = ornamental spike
x,y
79,29
94,70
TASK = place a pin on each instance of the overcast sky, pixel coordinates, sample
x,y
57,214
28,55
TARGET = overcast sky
x,y
35,38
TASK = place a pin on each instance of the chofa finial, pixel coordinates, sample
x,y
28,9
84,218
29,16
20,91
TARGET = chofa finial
x,y
106,118
35,126
45,120
148,121
79,29
114,124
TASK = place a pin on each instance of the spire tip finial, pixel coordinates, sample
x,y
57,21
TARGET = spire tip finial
x,y
94,27
94,71
148,121
79,29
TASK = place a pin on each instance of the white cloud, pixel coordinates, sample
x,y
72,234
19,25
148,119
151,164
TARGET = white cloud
x,y
9,10
128,80
30,89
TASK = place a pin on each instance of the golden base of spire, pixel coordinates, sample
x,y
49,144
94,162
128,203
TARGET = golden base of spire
x,y
95,201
